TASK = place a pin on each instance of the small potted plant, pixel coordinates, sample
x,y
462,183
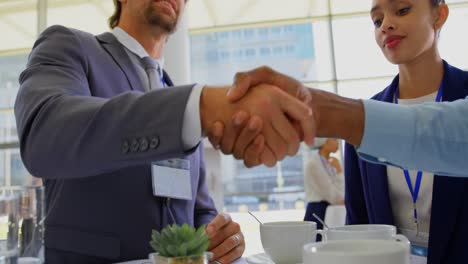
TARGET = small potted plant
x,y
180,245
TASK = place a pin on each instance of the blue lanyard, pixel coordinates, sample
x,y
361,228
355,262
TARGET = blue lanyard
x,y
415,191
327,167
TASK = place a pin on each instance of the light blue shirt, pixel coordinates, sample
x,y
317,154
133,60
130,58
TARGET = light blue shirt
x,y
431,137
191,128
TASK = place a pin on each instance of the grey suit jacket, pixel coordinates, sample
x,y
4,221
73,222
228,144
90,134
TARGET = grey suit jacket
x,y
87,128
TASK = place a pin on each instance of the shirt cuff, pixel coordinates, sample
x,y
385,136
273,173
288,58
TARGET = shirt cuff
x,y
388,132
191,128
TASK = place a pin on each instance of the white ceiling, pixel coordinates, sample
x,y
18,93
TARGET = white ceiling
x,y
18,17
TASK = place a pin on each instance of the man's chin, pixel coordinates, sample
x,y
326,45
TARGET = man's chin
x,y
164,21
168,25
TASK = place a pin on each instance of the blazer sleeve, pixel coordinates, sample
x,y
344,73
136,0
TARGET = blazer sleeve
x,y
356,212
65,132
205,210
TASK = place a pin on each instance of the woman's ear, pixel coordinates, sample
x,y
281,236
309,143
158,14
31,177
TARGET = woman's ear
x,y
441,15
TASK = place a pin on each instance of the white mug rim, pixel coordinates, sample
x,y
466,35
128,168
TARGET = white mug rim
x,y
289,224
395,247
371,228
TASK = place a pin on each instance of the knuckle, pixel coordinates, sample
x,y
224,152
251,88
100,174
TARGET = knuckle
x,y
239,250
266,69
234,241
237,154
239,75
249,163
281,150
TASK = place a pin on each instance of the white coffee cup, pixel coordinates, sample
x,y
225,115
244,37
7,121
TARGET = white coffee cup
x,y
358,252
356,232
283,242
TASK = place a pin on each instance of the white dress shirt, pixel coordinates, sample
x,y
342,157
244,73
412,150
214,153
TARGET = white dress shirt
x,y
321,182
191,128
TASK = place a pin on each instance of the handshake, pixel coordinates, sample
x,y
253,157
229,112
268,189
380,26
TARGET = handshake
x,y
265,116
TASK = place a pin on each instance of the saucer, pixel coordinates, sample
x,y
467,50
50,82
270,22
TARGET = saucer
x,y
260,258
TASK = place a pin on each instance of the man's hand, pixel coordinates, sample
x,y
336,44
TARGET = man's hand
x,y
226,239
272,108
249,145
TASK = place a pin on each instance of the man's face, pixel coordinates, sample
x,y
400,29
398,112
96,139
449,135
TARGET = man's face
x,y
161,13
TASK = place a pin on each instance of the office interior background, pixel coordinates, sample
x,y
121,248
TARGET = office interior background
x,y
327,44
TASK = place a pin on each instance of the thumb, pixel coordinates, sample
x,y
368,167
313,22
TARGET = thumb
x,y
241,86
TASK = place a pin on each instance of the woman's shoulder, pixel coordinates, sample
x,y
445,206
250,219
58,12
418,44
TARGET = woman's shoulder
x,y
458,72
387,92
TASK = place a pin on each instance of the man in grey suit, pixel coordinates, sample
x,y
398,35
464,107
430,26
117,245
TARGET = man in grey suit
x,y
119,151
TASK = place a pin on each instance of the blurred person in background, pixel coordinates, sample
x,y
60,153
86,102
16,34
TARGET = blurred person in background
x,y
323,180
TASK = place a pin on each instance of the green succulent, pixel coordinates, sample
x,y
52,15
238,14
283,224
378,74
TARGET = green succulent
x,y
180,241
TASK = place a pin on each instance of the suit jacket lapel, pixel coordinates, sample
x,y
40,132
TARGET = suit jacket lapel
x,y
120,56
379,194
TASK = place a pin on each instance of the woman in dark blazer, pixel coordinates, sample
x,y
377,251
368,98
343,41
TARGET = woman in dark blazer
x,y
431,210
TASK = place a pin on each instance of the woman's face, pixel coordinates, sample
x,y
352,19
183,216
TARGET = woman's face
x,y
404,29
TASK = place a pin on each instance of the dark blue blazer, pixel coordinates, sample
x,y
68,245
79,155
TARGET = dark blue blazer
x,y
367,195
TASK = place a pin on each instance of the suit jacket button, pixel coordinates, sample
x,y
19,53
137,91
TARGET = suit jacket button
x,y
154,142
125,147
144,144
135,145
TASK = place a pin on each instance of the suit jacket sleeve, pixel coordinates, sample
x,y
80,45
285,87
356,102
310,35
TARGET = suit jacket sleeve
x,y
205,210
356,212
65,132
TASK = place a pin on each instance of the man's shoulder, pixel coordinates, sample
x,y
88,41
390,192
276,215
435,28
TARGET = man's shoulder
x,y
59,31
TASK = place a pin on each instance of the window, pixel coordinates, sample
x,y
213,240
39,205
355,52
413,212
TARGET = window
x,y
454,38
17,24
357,54
70,14
289,49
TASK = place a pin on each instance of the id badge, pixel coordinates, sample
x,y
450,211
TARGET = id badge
x,y
171,178
418,255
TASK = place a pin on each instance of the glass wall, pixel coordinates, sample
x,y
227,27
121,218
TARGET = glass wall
x,y
309,40
18,26
341,56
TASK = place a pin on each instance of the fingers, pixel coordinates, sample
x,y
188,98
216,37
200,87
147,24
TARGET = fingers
x,y
233,130
253,152
309,130
230,250
286,130
247,136
300,112
223,235
218,223
267,157
243,81
216,134
275,142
